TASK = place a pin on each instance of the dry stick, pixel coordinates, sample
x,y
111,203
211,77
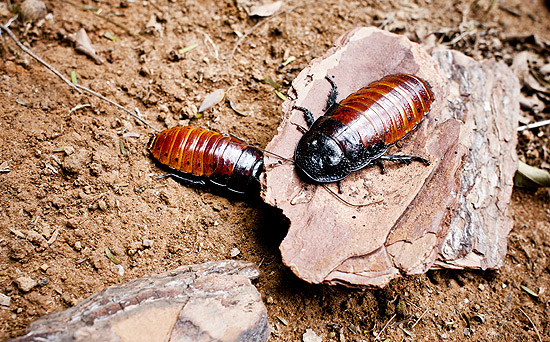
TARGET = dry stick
x,y
207,39
384,327
137,117
76,87
419,318
24,48
491,5
533,324
534,125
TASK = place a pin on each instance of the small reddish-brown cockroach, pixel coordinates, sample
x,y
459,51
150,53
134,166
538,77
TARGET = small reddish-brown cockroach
x,y
201,156
356,132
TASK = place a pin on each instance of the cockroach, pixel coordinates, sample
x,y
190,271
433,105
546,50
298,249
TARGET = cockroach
x,y
199,156
357,132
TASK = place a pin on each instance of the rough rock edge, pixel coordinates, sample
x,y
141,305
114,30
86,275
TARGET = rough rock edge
x,y
480,226
173,297
430,241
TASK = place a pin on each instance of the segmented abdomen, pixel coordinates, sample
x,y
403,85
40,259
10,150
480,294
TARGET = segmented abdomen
x,y
386,110
223,160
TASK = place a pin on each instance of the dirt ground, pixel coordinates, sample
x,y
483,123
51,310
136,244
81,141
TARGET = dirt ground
x,y
72,191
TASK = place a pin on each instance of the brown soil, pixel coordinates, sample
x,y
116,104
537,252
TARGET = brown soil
x,y
61,210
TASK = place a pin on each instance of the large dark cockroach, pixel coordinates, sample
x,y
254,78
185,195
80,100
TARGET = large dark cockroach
x,y
356,132
200,156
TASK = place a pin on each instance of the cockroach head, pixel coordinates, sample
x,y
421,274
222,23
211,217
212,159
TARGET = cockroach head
x,y
319,158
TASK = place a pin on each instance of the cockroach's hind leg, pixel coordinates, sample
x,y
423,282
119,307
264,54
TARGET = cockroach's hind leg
x,y
183,178
403,159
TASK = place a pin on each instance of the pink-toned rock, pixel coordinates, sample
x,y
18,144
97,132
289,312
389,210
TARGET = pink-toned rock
x,y
416,209
485,95
214,301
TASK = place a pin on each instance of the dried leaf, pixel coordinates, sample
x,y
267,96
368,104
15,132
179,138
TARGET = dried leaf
x,y
131,135
531,177
272,83
4,167
68,150
111,257
80,106
289,60
232,105
188,48
283,320
83,44
73,77
108,35
286,62
529,291
22,103
212,99
53,237
280,95
122,148
265,10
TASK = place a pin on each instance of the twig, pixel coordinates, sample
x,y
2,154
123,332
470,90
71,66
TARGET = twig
x,y
77,87
461,36
533,324
534,125
384,327
491,5
25,49
137,117
386,21
207,39
419,318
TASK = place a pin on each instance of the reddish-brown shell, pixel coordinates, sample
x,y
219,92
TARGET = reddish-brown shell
x,y
386,110
222,159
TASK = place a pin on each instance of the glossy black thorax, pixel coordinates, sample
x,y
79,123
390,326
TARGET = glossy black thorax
x,y
330,151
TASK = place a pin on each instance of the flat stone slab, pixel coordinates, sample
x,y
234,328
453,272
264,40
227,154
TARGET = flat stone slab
x,y
469,137
214,301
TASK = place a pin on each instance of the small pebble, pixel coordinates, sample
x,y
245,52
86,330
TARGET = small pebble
x,y
32,10
35,237
44,267
25,284
545,69
78,246
163,108
147,243
311,336
4,301
101,204
120,269
481,287
234,252
69,150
